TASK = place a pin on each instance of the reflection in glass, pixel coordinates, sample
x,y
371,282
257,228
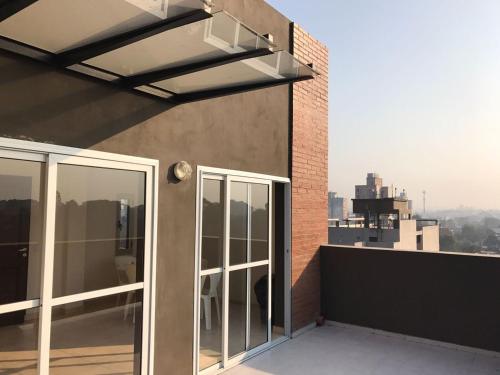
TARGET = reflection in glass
x,y
98,336
123,224
237,312
212,224
210,320
260,222
95,248
21,223
19,342
258,306
238,223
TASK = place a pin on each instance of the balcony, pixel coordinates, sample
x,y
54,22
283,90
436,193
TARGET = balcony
x,y
332,350
397,312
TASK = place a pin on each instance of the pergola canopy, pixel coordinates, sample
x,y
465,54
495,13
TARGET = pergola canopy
x,y
179,50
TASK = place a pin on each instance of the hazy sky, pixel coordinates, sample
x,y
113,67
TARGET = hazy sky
x,y
414,95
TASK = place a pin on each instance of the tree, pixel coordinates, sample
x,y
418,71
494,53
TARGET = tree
x,y
491,222
447,242
492,242
470,233
467,246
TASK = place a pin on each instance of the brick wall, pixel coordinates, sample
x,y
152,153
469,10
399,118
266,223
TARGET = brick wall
x,y
309,171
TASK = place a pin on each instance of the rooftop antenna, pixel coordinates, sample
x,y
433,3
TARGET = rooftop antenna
x,y
423,195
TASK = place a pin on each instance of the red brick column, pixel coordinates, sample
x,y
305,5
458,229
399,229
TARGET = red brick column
x,y
309,166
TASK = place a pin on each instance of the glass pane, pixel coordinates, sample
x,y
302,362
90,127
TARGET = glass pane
x,y
99,229
210,320
98,336
280,65
200,41
237,312
19,342
238,223
22,185
62,25
260,222
212,224
258,305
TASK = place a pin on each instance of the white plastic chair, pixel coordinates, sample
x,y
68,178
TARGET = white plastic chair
x,y
125,269
207,299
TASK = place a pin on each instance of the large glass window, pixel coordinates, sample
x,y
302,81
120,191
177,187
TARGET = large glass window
x,y
260,222
259,298
210,319
22,185
236,260
97,336
237,311
212,224
210,287
239,221
94,205
19,342
84,222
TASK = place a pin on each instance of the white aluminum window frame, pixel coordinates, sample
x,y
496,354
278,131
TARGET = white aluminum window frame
x,y
228,176
52,156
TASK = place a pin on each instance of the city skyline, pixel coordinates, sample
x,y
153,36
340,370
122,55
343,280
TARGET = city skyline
x,y
414,93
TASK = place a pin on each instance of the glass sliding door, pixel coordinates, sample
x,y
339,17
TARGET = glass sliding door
x,y
235,229
239,222
98,273
22,204
210,283
249,292
75,264
258,317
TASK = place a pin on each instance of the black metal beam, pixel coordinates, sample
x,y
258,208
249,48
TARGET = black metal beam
x,y
216,93
47,58
26,50
162,74
10,7
100,47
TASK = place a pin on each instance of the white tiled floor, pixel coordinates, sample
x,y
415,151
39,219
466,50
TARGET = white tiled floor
x,y
351,351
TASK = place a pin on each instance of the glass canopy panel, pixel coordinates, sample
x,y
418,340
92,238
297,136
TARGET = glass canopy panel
x,y
278,66
218,36
57,25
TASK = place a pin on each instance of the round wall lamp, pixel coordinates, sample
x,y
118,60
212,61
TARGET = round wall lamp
x,y
183,171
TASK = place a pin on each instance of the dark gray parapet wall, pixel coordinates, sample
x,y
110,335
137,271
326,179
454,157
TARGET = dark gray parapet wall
x,y
446,297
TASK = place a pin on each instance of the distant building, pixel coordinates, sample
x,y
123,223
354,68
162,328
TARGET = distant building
x,y
338,207
373,189
383,221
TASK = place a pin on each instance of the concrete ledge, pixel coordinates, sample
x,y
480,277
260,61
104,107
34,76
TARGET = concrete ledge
x,y
442,297
412,251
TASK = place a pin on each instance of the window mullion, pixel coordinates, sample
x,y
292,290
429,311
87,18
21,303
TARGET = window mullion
x,y
248,270
269,273
225,276
48,265
146,296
